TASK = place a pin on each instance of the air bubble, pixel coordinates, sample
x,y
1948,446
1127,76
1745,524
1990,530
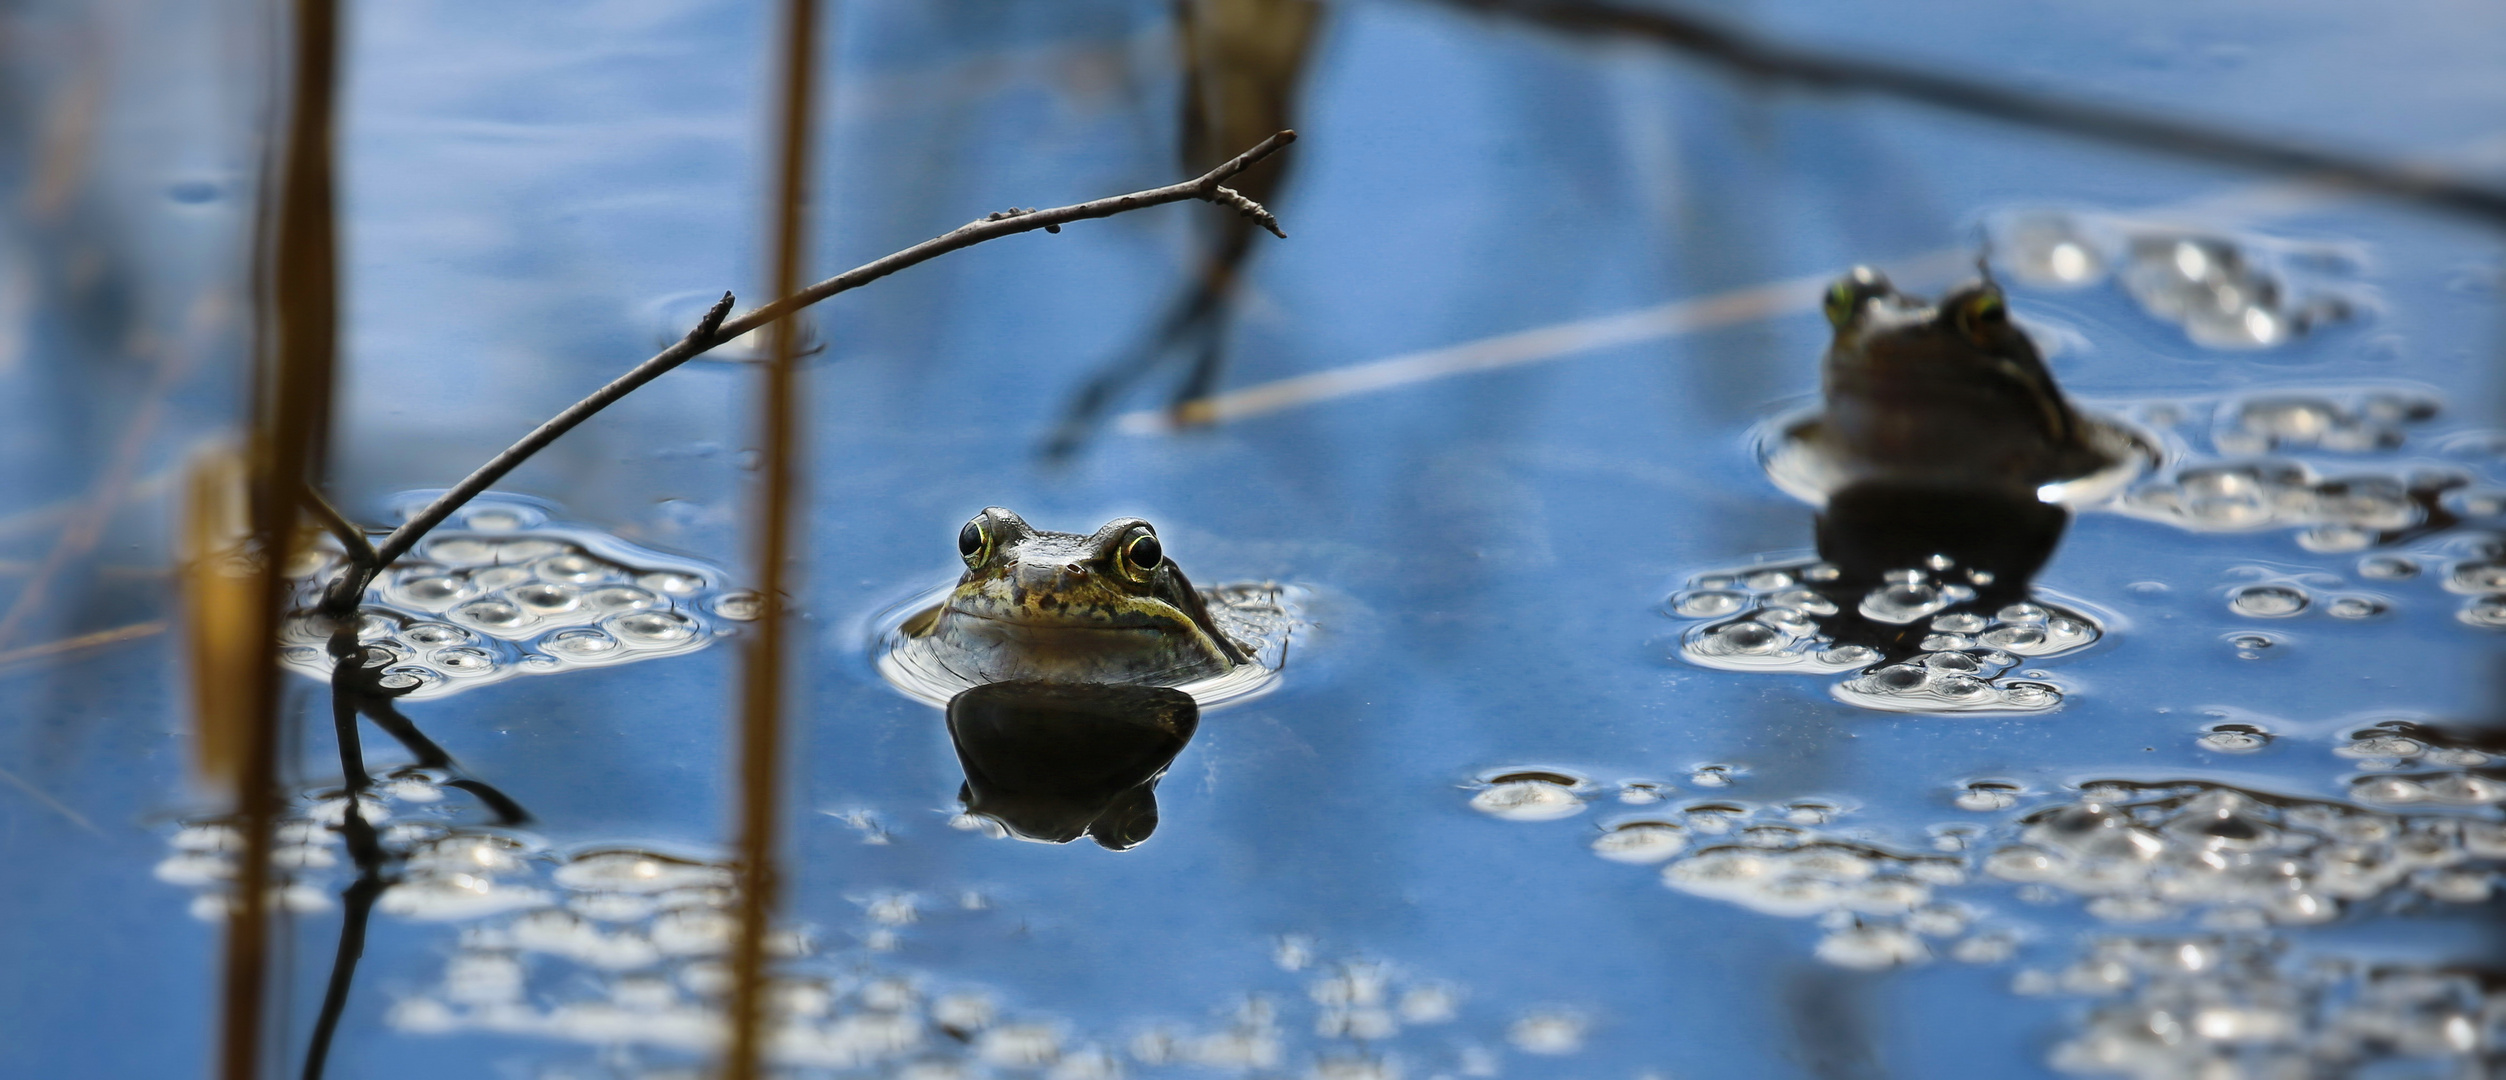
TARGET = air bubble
x,y
524,549
1641,842
1748,637
2355,607
1528,799
1768,580
1905,602
435,635
671,583
2476,577
574,568
493,614
541,598
2268,601
2234,738
1713,776
652,626
2486,611
1985,796
432,590
2018,639
2388,567
741,606
620,598
1963,622
497,519
2336,539
492,578
411,677
1708,604
1803,600
582,641
464,661
1642,792
2030,696
460,551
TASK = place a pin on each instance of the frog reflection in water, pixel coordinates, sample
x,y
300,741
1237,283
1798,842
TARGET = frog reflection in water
x,y
1108,607
1952,395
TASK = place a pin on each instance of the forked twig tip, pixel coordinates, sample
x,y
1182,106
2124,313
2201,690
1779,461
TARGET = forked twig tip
x,y
712,321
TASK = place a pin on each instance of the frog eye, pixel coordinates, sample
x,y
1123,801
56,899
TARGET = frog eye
x,y
1841,299
974,542
1846,297
1141,555
1980,310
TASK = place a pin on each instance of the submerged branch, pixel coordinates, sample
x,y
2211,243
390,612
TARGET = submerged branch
x,y
1766,59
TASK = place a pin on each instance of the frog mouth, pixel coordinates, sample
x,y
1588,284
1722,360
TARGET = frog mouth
x,y
1128,623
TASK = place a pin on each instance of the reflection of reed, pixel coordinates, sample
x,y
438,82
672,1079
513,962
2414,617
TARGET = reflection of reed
x,y
1242,63
290,426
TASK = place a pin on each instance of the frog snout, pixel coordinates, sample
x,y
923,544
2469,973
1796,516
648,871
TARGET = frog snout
x,y
1045,577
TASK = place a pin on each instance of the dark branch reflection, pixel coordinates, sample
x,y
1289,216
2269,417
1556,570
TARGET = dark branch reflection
x,y
357,691
1052,762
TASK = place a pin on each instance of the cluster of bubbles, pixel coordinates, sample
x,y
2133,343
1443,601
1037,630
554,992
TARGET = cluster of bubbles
x,y
2184,1008
2403,764
507,594
627,949
1878,906
2239,860
2481,581
1538,794
1776,618
2232,486
2143,853
2226,291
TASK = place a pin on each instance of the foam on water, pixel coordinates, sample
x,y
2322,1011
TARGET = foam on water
x,y
504,593
1783,617
2225,289
626,949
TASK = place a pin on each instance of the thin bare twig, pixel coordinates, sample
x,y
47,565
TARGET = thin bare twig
x,y
1761,58
351,539
705,336
713,331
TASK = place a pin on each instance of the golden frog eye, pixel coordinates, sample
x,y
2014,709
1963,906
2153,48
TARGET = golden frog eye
x,y
974,542
1840,303
1846,297
1980,311
1142,555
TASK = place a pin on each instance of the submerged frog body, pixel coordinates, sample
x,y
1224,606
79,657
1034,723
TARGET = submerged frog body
x,y
1108,607
1946,395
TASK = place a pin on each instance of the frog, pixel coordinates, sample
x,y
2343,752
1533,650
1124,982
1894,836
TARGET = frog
x,y
1946,395
1109,607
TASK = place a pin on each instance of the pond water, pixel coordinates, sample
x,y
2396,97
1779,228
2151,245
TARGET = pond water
x,y
2214,796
